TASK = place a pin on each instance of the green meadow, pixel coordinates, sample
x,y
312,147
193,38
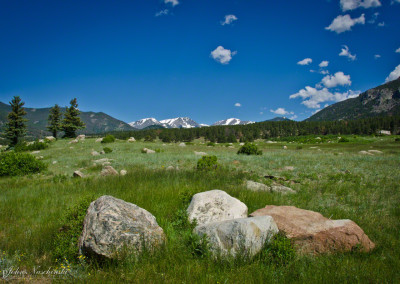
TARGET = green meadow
x,y
330,177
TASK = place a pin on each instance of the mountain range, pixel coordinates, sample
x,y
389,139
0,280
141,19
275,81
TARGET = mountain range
x,y
379,101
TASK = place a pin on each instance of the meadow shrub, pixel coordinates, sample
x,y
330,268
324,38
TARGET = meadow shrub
x,y
343,140
66,240
35,146
279,251
15,164
107,150
249,149
397,140
212,144
108,139
207,163
198,246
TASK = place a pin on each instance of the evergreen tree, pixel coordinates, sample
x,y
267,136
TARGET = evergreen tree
x,y
54,120
15,126
72,121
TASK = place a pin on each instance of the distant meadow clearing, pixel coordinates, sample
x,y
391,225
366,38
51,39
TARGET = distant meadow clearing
x,y
332,178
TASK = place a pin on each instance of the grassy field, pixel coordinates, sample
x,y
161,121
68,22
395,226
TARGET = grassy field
x,y
331,178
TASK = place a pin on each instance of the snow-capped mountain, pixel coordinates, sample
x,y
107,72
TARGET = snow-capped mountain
x,y
180,122
145,122
232,121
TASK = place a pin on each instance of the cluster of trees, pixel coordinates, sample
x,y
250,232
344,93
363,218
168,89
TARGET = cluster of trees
x,y
268,130
15,128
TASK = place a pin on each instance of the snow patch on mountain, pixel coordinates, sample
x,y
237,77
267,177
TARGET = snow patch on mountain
x,y
232,121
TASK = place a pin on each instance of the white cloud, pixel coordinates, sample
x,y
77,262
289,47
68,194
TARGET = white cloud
x,y
324,72
281,111
374,18
395,74
162,12
324,64
229,19
376,56
381,24
173,2
395,1
339,79
222,55
312,97
293,117
261,113
354,4
344,23
238,105
305,61
398,50
345,52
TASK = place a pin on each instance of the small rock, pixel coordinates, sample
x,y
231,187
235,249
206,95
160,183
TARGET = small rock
x,y
200,153
170,168
131,139
270,142
71,147
281,189
99,139
39,157
73,141
102,152
285,147
108,171
78,174
256,186
375,151
106,164
214,206
123,172
54,162
148,151
95,153
365,153
41,140
81,137
50,138
289,168
35,152
182,145
101,161
241,144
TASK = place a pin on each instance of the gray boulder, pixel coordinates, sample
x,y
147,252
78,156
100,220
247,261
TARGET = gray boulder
x,y
112,225
95,153
256,186
78,174
215,206
281,189
245,236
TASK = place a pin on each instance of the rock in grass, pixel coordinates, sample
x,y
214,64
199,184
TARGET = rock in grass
x,y
123,172
365,153
112,225
95,153
73,141
78,174
215,206
256,186
99,139
50,138
131,139
108,171
148,151
102,161
245,235
281,189
182,145
375,152
200,153
284,147
81,137
312,233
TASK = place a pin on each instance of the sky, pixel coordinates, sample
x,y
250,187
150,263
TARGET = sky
x,y
208,60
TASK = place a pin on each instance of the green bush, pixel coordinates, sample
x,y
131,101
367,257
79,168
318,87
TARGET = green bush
x,y
198,246
212,144
107,150
21,147
299,147
15,164
66,240
207,163
279,251
108,139
397,140
249,149
343,140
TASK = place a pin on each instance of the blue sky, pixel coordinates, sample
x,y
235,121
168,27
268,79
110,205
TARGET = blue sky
x,y
209,60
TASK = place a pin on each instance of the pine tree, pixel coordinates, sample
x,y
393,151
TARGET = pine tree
x,y
72,121
54,120
15,126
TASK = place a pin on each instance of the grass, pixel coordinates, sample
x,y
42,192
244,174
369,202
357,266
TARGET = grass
x,y
336,181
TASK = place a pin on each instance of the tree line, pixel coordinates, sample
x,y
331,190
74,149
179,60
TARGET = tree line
x,y
267,130
15,128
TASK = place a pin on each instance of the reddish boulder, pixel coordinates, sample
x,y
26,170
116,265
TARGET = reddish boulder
x,y
312,233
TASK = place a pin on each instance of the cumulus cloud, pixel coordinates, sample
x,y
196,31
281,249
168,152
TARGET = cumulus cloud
x,y
395,74
222,55
281,111
324,64
376,56
382,24
293,117
346,52
229,19
162,13
344,23
347,5
398,50
305,61
173,2
338,79
313,97
238,105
